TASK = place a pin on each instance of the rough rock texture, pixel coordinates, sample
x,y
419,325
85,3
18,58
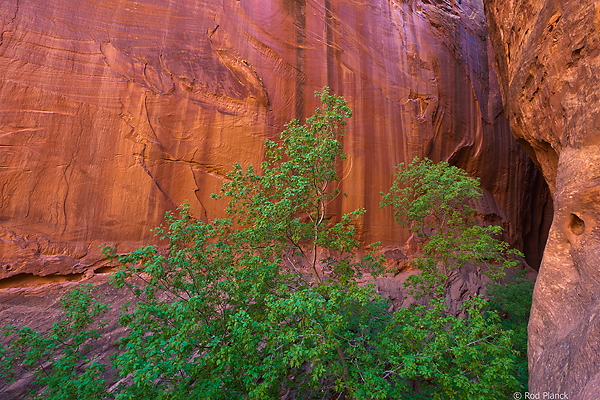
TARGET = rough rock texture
x,y
113,111
548,63
38,308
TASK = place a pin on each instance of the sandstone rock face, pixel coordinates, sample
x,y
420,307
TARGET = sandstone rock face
x,y
548,62
114,111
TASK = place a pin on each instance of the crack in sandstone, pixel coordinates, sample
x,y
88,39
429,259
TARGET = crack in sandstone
x,y
30,280
210,169
196,193
128,118
160,146
182,86
9,24
27,280
7,233
281,66
68,188
142,161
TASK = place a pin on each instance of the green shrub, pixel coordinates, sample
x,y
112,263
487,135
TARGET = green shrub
x,y
57,356
435,202
512,301
267,301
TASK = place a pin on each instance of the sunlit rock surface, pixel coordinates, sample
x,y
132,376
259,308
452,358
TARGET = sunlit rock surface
x,y
548,63
112,112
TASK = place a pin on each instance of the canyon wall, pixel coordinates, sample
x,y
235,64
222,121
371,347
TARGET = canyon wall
x,y
114,111
547,55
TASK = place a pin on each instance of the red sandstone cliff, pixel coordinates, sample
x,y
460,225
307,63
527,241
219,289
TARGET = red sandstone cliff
x,y
112,112
548,58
